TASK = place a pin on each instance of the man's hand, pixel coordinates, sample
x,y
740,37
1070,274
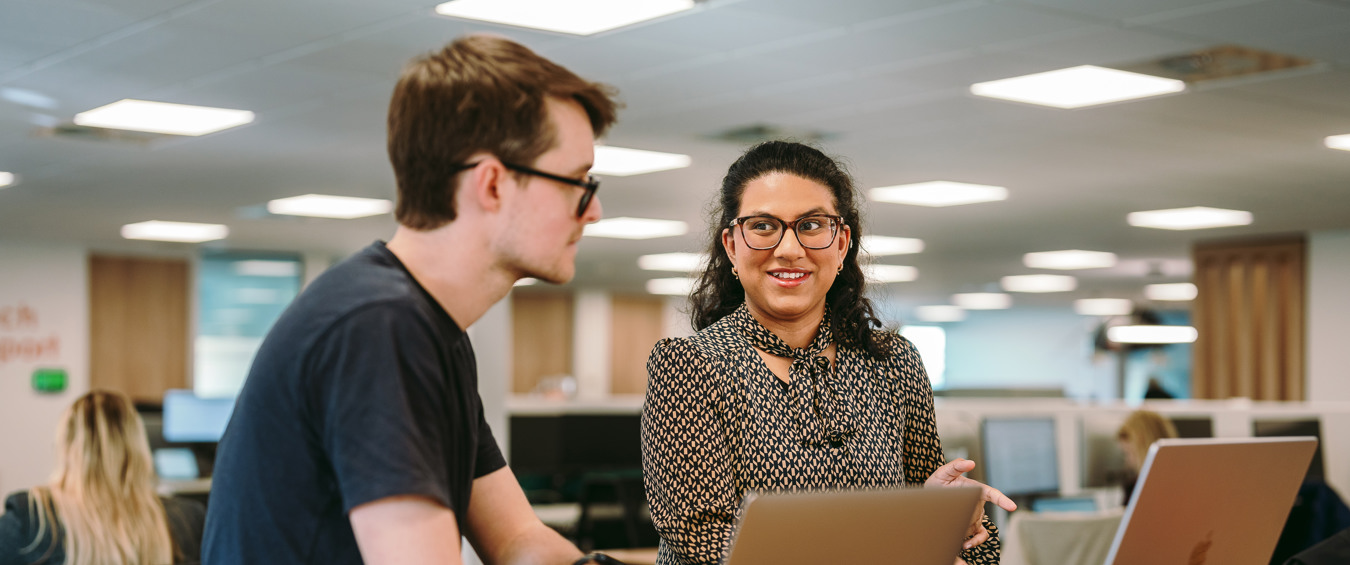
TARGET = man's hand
x,y
951,475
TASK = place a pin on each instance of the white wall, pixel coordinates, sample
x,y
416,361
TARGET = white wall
x,y
44,323
1328,310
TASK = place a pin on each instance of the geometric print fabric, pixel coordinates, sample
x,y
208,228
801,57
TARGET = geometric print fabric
x,y
718,425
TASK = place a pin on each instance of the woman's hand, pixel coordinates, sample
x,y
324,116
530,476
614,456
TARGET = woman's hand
x,y
950,475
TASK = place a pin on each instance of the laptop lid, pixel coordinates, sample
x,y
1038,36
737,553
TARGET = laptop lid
x,y
1214,501
913,526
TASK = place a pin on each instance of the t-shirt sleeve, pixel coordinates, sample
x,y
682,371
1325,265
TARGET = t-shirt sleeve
x,y
389,420
489,454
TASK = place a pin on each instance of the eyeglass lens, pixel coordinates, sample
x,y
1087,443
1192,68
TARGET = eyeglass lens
x,y
765,232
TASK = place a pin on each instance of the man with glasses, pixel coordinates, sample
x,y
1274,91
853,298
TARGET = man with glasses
x,y
359,435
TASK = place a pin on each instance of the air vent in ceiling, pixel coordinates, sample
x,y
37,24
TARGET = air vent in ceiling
x,y
1225,65
757,133
73,131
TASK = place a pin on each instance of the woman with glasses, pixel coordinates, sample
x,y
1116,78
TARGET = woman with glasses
x,y
789,384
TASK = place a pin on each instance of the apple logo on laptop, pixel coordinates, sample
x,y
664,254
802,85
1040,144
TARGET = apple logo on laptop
x,y
1201,548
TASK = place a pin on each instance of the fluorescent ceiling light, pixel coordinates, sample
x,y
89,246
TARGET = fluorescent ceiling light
x,y
527,281
1193,218
1103,306
983,300
1077,87
265,268
1039,283
1069,259
161,117
882,274
939,193
326,206
940,313
635,228
675,286
1170,291
882,245
1151,334
1341,142
175,231
577,17
622,162
680,262
6,179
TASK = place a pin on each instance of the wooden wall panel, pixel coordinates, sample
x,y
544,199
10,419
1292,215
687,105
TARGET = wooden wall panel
x,y
1249,313
139,326
636,327
541,328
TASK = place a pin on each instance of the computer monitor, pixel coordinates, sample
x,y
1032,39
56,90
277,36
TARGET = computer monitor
x,y
1102,462
1020,457
573,443
189,418
1290,428
1193,426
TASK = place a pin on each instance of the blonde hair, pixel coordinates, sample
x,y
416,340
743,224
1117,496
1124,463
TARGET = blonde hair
x,y
1141,429
103,489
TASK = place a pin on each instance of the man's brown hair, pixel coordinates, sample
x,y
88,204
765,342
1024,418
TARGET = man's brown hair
x,y
479,93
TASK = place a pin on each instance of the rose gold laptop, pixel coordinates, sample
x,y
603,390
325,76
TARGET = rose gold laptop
x,y
912,526
1211,501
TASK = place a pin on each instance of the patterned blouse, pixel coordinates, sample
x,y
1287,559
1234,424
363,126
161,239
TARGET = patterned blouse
x,y
717,424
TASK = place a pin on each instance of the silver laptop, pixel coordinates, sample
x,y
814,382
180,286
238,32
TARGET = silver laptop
x,y
911,526
1211,501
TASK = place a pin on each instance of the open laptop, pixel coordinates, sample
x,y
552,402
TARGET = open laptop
x,y
1211,501
912,526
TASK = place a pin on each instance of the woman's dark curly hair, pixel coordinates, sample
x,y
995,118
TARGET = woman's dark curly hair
x,y
718,293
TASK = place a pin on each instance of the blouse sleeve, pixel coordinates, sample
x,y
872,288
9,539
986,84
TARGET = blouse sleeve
x,y
923,449
685,459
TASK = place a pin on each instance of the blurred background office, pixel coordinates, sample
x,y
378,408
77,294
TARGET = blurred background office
x,y
1008,232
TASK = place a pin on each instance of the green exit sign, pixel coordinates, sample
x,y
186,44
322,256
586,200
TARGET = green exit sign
x,y
49,380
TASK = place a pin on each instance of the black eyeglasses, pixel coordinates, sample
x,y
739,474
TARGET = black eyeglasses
x,y
816,231
590,185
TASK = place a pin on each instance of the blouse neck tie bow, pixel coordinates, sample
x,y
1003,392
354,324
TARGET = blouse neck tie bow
x,y
818,396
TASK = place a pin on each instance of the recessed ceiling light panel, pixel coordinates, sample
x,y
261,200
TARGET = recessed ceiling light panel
x,y
983,300
623,162
1193,218
1077,87
1039,283
939,193
679,262
162,117
1152,334
1071,259
882,274
635,228
1103,306
882,245
577,17
674,286
186,232
326,206
940,313
7,179
1341,142
1171,291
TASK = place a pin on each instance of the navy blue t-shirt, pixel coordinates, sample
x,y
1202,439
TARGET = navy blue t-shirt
x,y
364,389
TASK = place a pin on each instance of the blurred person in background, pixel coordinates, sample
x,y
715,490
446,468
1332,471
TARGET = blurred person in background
x,y
100,507
1135,436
